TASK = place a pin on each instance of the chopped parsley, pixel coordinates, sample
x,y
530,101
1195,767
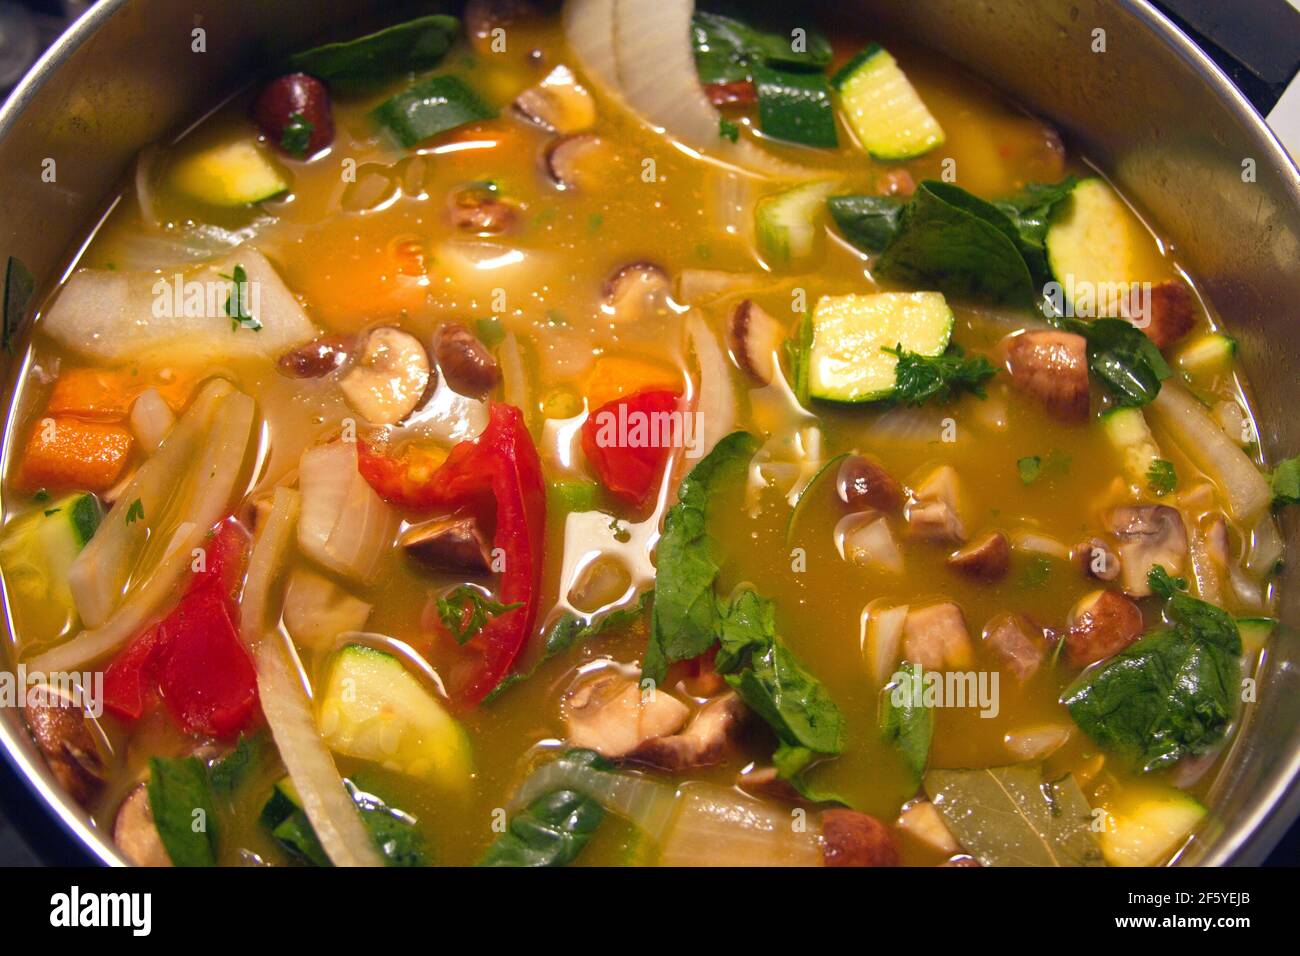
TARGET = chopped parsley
x,y
135,511
237,301
728,130
1030,467
297,135
921,378
1161,477
466,610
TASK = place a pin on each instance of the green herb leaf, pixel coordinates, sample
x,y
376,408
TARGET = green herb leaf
x,y
1122,356
1031,210
1011,816
490,331
555,827
237,301
904,720
686,617
570,631
180,799
797,349
941,378
728,130
1170,695
228,773
135,511
772,681
727,50
393,832
1285,480
297,135
19,286
869,222
466,610
409,47
1161,477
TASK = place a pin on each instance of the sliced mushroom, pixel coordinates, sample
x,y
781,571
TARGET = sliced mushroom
x,y
613,716
637,291
1017,644
766,782
453,545
63,733
569,159
134,831
850,838
479,211
933,513
863,483
923,822
755,341
559,103
315,359
388,377
936,638
986,559
1148,535
702,743
1097,559
466,364
1101,625
1051,366
1168,316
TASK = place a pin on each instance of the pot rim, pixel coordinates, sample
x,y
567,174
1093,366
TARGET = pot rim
x,y
1246,841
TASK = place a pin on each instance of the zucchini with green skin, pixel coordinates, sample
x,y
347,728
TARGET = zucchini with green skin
x,y
38,549
373,708
884,109
1211,354
786,224
1150,825
795,107
230,174
1255,632
1129,434
847,361
1095,247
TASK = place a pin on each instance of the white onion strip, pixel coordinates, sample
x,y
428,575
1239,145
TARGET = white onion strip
x,y
266,562
326,802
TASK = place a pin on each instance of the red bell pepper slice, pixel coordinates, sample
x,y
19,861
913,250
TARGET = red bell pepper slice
x,y
623,443
497,474
194,656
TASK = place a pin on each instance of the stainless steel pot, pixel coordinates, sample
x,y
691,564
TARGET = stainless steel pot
x,y
1152,110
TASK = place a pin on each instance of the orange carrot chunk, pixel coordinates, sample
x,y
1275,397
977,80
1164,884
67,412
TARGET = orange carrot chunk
x,y
65,452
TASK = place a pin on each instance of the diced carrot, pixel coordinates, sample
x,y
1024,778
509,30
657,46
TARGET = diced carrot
x,y
69,453
614,376
107,394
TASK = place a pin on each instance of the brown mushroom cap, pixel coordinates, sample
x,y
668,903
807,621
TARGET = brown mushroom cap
x,y
1102,625
566,158
1148,535
985,559
1052,366
63,733
754,338
863,483
388,376
850,838
453,545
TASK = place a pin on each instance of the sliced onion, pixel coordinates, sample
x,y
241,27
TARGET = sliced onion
x,y
715,404
1038,742
882,636
641,52
184,490
864,538
1265,548
905,427
344,524
326,802
1036,543
716,826
702,286
151,419
639,800
1246,491
273,541
514,376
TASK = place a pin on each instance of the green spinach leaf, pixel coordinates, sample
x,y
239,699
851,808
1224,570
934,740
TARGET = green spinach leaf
x,y
180,798
1122,356
554,828
686,616
905,721
409,47
1170,695
727,50
19,286
869,222
1285,480
1031,210
228,773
